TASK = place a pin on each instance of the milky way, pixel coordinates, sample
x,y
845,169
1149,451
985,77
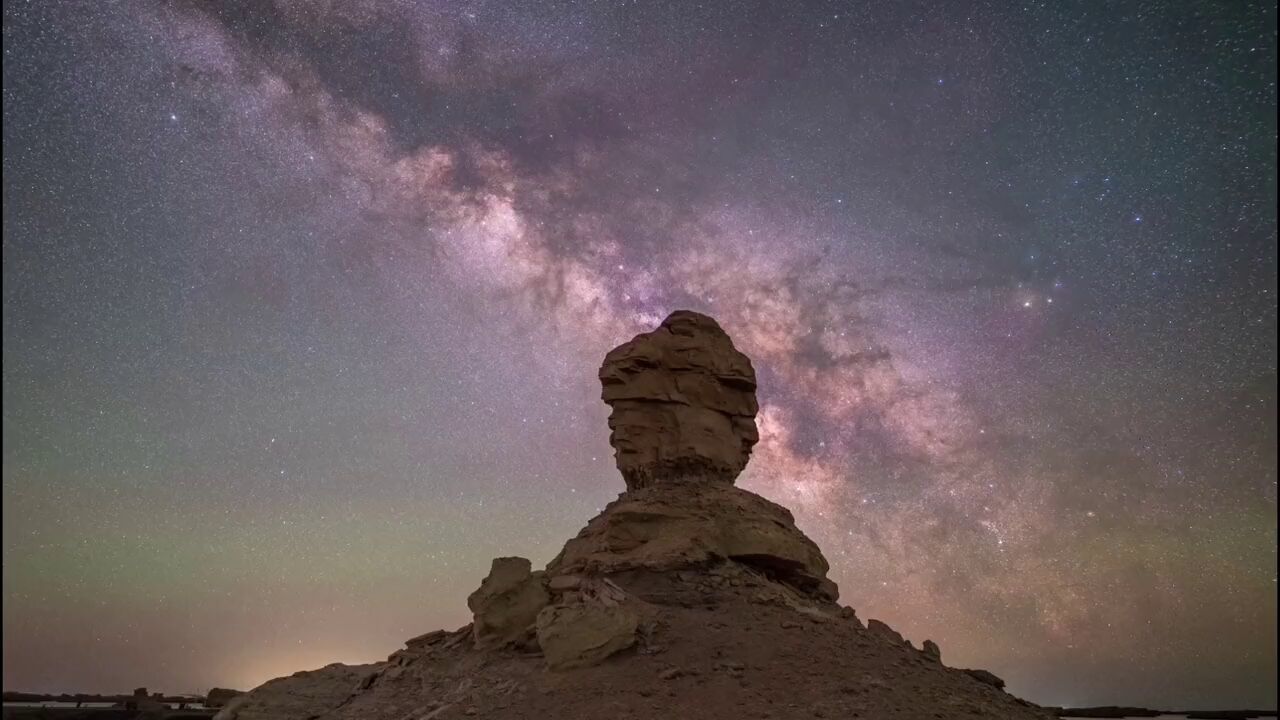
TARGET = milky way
x,y
304,302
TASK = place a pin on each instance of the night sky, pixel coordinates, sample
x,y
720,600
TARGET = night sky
x,y
304,303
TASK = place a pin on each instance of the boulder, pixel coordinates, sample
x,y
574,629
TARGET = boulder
x,y
586,633
683,403
507,602
300,696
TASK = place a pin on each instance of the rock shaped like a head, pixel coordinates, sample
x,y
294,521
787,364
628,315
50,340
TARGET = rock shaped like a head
x,y
684,403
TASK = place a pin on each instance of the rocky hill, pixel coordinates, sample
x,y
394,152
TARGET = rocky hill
x,y
685,597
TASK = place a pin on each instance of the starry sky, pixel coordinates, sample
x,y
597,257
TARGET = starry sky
x,y
304,303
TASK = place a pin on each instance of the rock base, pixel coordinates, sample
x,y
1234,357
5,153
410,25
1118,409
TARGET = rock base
x,y
718,643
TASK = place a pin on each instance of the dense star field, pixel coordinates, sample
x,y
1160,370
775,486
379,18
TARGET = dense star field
x,y
304,303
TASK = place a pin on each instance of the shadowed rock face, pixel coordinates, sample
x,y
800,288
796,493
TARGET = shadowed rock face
x,y
683,401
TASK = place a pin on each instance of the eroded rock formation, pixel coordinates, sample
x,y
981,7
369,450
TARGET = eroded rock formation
x,y
683,425
686,588
683,401
507,602
599,620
